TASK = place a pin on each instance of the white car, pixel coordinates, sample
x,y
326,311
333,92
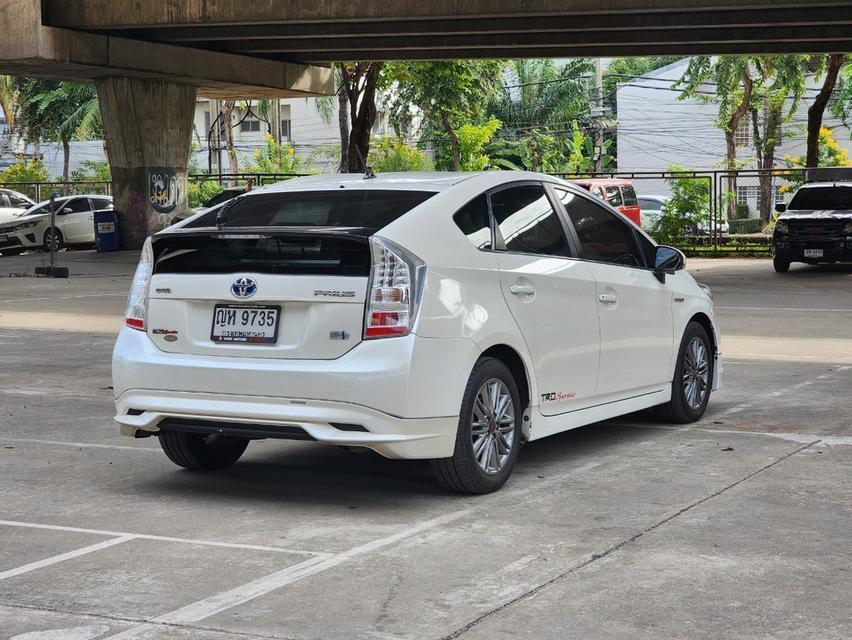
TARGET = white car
x,y
13,204
441,316
74,225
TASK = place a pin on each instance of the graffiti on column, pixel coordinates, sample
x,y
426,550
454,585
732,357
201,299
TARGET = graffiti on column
x,y
163,191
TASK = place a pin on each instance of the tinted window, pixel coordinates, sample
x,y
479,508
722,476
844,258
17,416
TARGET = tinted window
x,y
20,202
101,203
823,198
629,195
527,221
650,205
224,196
39,210
372,209
603,236
473,220
648,248
78,205
613,196
5,201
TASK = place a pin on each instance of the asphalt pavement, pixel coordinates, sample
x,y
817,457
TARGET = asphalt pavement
x,y
735,527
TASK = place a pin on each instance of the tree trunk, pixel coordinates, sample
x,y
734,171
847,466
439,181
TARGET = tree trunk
x,y
227,115
343,124
362,112
730,141
765,146
817,109
454,141
66,162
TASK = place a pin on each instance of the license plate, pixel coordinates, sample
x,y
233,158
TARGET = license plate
x,y
245,323
813,253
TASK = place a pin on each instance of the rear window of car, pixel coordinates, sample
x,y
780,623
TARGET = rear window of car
x,y
629,195
223,196
613,196
366,208
822,198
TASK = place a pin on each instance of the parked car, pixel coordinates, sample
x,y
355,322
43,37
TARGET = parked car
x,y
815,227
651,207
449,317
74,225
13,204
223,196
617,193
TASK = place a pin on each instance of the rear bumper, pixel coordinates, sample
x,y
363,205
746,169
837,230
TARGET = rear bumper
x,y
324,421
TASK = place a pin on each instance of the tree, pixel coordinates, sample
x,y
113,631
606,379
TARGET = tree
x,y
733,87
7,99
326,106
395,155
449,93
227,116
829,65
358,84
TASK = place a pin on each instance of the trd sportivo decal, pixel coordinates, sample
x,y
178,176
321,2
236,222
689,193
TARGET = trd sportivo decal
x,y
335,294
557,396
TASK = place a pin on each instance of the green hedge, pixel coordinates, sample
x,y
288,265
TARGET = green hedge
x,y
752,225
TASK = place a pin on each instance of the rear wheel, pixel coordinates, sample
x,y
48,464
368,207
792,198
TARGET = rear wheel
x,y
489,432
693,377
53,239
781,265
200,451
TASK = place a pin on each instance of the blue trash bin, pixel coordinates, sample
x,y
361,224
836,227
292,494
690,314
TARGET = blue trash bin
x,y
106,230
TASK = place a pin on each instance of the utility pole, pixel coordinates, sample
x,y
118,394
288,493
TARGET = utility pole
x,y
598,115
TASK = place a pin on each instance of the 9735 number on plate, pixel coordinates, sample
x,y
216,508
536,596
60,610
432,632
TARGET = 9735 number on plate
x,y
248,323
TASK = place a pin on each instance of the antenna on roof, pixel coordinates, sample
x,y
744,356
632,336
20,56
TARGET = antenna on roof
x,y
368,170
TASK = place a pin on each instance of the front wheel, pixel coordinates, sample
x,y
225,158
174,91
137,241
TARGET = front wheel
x,y
200,451
53,240
693,377
489,432
780,265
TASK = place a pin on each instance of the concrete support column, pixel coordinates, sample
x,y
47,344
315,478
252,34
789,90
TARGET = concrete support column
x,y
148,128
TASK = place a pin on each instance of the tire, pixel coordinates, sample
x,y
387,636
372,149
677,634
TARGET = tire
x,y
780,265
689,402
463,473
11,252
48,237
202,452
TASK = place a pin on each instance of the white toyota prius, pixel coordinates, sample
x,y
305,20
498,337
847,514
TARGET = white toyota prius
x,y
441,316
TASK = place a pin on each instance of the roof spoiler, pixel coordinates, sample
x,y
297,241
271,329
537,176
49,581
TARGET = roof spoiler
x,y
829,174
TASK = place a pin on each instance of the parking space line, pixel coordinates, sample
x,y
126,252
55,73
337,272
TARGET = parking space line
x,y
145,536
76,553
219,602
84,445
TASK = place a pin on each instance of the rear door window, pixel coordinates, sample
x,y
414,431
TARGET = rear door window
x,y
527,222
628,194
475,222
362,208
613,196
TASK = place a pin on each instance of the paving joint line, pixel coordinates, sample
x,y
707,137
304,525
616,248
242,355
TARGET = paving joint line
x,y
619,545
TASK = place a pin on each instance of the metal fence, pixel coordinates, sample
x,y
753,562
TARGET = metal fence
x,y
40,191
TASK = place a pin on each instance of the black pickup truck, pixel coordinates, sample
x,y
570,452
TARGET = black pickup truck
x,y
816,227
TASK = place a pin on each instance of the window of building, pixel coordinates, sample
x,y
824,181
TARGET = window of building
x,y
603,236
285,130
474,222
250,125
742,134
206,123
527,222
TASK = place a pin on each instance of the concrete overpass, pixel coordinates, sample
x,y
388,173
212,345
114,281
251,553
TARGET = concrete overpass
x,y
150,59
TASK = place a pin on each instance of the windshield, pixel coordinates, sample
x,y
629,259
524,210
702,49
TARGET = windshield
x,y
365,208
822,198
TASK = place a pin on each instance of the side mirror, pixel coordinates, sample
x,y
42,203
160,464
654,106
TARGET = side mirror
x,y
667,260
780,207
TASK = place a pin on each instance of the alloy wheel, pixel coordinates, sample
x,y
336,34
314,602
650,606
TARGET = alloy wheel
x,y
696,373
493,426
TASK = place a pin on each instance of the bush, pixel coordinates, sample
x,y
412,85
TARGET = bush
x,y
742,211
91,171
278,158
200,191
395,155
686,211
751,225
30,171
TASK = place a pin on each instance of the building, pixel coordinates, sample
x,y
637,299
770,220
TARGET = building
x,y
657,129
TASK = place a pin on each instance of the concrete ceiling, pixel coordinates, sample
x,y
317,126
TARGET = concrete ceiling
x,y
308,31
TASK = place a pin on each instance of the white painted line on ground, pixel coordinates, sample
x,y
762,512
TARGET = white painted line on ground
x,y
808,310
62,557
800,438
79,445
145,536
219,602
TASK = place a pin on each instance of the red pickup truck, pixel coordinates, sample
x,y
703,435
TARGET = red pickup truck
x,y
618,193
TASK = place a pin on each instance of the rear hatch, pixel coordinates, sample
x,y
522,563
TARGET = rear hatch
x,y
263,293
271,274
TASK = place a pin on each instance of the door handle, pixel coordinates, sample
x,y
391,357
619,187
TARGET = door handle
x,y
522,289
608,298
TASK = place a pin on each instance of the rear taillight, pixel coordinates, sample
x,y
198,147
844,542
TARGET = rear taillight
x,y
395,280
137,301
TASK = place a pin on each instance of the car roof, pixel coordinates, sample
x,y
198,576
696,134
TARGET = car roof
x,y
64,198
405,181
620,182
818,185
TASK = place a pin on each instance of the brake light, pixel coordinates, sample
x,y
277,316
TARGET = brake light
x,y
137,301
395,279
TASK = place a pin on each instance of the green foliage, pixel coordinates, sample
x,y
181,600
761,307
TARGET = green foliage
x,y
393,154
200,191
742,212
27,171
277,158
92,171
472,140
750,225
686,210
541,150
